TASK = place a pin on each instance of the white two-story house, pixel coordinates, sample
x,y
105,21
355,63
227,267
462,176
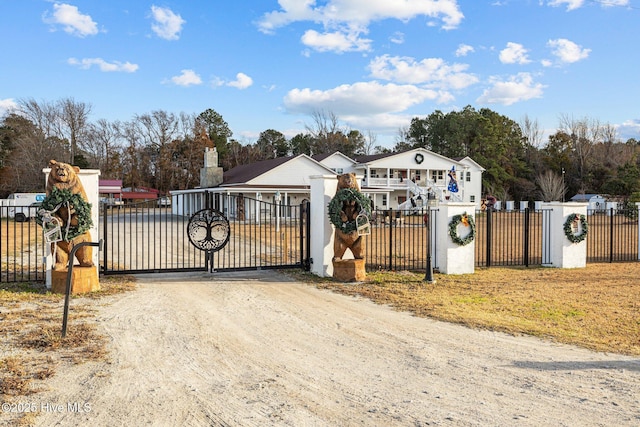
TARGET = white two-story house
x,y
403,180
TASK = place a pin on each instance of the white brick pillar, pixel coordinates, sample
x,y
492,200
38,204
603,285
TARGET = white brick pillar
x,y
453,258
323,189
556,247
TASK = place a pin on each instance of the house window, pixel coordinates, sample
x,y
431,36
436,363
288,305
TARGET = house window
x,y
472,199
468,176
338,170
374,174
417,175
384,200
437,175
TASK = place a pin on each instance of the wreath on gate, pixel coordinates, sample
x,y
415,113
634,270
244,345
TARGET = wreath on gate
x,y
467,221
64,197
574,220
335,207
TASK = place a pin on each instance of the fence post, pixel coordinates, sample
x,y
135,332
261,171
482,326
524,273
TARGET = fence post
x,y
488,246
638,219
323,189
390,212
611,236
562,252
452,257
527,223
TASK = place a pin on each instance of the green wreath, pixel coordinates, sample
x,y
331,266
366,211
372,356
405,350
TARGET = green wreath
x,y
568,230
453,229
335,207
59,198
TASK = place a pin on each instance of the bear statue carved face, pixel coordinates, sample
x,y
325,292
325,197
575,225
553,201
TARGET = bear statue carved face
x,y
63,176
347,180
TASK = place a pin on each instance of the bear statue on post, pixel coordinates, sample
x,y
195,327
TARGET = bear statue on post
x,y
67,204
345,208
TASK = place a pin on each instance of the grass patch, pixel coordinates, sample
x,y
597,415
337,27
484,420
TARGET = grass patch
x,y
31,343
596,307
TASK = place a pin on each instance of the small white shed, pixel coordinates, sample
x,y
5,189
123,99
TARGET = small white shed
x,y
597,202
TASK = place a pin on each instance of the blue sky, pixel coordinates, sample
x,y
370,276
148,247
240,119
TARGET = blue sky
x,y
375,64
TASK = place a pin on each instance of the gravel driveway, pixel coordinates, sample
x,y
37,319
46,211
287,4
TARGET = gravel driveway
x,y
255,349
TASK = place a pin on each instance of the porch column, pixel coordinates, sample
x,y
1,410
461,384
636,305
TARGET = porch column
x,y
556,247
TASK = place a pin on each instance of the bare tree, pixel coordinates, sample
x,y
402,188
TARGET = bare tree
x,y
551,185
531,132
584,134
103,147
370,142
158,130
72,125
326,133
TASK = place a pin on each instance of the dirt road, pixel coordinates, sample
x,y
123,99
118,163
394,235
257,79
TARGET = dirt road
x,y
254,349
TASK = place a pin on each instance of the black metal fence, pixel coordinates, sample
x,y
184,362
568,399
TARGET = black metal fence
x,y
146,238
22,247
401,240
143,237
613,235
510,238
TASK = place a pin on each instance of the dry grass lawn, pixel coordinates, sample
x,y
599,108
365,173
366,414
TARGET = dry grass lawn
x,y
597,307
31,346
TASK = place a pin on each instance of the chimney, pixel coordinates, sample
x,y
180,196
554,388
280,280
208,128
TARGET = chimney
x,y
211,173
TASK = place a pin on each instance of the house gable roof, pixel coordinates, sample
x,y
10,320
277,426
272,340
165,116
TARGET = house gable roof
x,y
586,197
404,157
274,171
322,157
470,161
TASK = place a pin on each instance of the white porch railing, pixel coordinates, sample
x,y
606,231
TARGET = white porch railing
x,y
418,190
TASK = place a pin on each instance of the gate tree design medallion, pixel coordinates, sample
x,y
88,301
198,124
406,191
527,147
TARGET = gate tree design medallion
x,y
208,230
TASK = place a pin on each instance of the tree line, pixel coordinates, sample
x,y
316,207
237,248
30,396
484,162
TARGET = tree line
x,y
164,150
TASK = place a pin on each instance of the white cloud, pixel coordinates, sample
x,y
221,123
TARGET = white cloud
x,y
397,38
167,24
103,65
432,72
520,87
514,53
7,105
629,129
464,50
571,4
336,41
344,21
71,20
576,4
186,78
567,51
360,12
384,123
242,81
363,98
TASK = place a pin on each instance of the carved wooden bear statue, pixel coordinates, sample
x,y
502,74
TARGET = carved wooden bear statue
x,y
350,210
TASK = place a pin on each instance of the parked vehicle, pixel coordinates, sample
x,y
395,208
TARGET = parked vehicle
x,y
26,213
110,202
164,202
24,206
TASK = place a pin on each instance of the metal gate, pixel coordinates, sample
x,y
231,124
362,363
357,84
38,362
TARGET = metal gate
x,y
510,238
150,238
